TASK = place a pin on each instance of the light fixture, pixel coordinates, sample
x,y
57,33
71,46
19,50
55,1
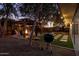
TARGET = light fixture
x,y
26,31
62,17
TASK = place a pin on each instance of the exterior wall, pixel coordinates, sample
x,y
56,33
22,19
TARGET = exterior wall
x,y
74,31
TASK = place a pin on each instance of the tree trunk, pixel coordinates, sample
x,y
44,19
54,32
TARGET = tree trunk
x,y
5,27
5,24
33,29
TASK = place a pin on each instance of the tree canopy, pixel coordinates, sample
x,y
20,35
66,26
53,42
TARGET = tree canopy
x,y
42,11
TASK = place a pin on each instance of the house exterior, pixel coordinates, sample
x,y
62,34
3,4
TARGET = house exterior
x,y
74,31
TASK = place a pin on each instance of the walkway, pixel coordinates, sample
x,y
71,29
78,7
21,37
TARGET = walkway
x,y
17,47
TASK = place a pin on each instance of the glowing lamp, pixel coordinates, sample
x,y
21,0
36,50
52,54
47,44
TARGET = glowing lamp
x,y
26,31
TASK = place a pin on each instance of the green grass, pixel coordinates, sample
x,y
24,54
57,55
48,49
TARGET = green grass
x,y
67,44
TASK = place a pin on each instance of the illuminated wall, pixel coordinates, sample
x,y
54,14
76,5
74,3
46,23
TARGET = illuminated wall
x,y
74,30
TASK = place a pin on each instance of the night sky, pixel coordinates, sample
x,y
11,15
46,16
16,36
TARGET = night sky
x,y
19,15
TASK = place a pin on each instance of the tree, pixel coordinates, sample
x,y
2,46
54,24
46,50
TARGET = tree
x,y
8,10
5,13
33,10
41,12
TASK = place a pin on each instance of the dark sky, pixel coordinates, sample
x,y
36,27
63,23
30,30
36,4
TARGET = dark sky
x,y
16,6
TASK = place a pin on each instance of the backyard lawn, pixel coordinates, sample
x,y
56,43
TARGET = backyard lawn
x,y
60,39
65,43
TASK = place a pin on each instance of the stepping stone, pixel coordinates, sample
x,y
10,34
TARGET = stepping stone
x,y
64,38
57,36
54,34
